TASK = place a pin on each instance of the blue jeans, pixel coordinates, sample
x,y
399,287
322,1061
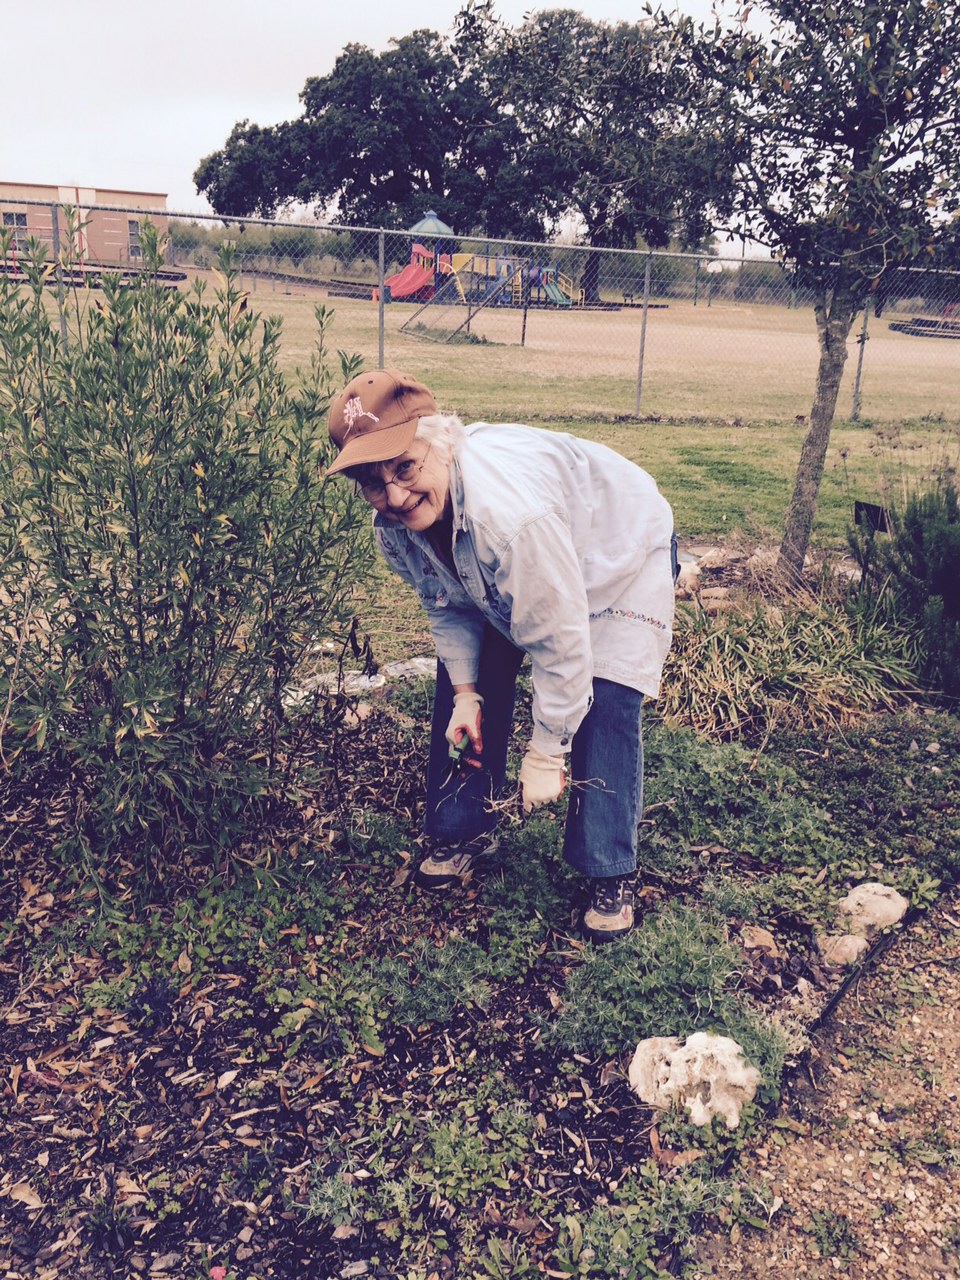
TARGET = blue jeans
x,y
606,767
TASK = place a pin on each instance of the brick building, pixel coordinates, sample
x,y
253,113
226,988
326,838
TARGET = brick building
x,y
110,235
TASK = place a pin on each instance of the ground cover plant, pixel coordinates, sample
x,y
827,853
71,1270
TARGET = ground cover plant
x,y
311,1067
915,575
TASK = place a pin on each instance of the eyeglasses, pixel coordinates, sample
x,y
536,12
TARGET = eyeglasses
x,y
373,486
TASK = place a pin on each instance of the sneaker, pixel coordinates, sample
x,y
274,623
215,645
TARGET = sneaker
x,y
610,912
453,863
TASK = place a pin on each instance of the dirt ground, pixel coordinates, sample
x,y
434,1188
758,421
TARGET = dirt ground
x,y
867,1181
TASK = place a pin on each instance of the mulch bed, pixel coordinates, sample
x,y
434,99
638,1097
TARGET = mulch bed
x,y
183,1139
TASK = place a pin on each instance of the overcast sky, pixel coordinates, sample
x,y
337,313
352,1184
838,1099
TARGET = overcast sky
x,y
130,96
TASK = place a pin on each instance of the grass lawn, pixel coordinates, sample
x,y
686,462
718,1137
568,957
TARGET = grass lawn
x,y
755,363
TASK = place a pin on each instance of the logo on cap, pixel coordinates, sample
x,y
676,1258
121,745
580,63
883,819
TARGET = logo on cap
x,y
353,411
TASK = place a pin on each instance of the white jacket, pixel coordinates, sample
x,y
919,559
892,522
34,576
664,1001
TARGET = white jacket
x,y
564,546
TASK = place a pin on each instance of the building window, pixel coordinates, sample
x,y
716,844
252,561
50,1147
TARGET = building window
x,y
133,238
16,225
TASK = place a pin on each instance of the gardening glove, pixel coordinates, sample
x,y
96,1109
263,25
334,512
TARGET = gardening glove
x,y
542,778
466,720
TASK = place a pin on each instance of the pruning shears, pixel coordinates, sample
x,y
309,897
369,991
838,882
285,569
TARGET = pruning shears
x,y
460,754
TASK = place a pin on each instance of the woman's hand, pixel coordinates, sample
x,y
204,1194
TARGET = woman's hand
x,y
542,778
466,718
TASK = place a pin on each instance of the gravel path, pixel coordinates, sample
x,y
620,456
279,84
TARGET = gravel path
x,y
869,1170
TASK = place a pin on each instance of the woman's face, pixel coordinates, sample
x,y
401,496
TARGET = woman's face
x,y
415,487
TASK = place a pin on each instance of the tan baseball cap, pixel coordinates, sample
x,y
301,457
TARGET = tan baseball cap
x,y
375,417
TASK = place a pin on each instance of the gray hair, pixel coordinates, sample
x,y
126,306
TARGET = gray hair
x,y
445,432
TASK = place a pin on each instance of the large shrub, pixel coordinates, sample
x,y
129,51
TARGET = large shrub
x,y
170,552
917,568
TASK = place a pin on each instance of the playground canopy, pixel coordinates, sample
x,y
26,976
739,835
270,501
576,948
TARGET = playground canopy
x,y
431,225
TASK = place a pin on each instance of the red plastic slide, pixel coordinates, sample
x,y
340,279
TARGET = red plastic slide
x,y
411,280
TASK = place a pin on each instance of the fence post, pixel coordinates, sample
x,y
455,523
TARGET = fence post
x,y
61,307
643,333
696,283
525,296
380,303
863,339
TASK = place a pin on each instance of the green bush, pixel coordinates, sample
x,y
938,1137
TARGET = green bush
x,y
920,564
170,553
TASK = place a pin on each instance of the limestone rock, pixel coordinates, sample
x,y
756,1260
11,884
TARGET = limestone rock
x,y
706,1073
719,558
843,951
763,560
688,581
872,906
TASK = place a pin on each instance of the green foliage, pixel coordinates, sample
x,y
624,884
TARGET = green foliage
x,y
400,1168
170,553
668,977
905,775
699,793
919,567
673,975
834,1234
496,129
625,1238
763,899
843,117
438,980
433,982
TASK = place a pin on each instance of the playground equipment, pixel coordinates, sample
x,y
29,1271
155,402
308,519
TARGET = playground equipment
x,y
415,282
479,279
946,326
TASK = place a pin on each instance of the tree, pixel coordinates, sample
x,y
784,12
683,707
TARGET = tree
x,y
382,138
500,131
608,124
847,116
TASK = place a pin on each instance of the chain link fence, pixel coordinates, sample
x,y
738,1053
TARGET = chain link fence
x,y
540,332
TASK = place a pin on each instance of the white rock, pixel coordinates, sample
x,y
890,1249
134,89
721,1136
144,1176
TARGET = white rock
x,y
871,906
841,952
688,581
706,1074
719,558
763,560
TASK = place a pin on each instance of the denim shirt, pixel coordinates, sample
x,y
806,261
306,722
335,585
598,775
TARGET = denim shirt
x,y
564,546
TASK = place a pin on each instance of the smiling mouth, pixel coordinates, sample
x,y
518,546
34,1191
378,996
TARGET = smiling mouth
x,y
408,511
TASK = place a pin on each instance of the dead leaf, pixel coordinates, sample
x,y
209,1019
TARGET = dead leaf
x,y
609,1072
25,1194
226,1079
677,1159
184,963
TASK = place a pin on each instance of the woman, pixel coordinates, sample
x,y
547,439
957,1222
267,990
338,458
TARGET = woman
x,y
522,541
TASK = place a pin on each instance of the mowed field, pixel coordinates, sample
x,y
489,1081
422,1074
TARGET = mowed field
x,y
726,394
724,361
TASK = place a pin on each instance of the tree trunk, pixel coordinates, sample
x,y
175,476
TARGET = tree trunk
x,y
590,281
833,328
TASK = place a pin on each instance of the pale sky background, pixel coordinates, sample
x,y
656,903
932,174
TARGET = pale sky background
x,y
125,95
